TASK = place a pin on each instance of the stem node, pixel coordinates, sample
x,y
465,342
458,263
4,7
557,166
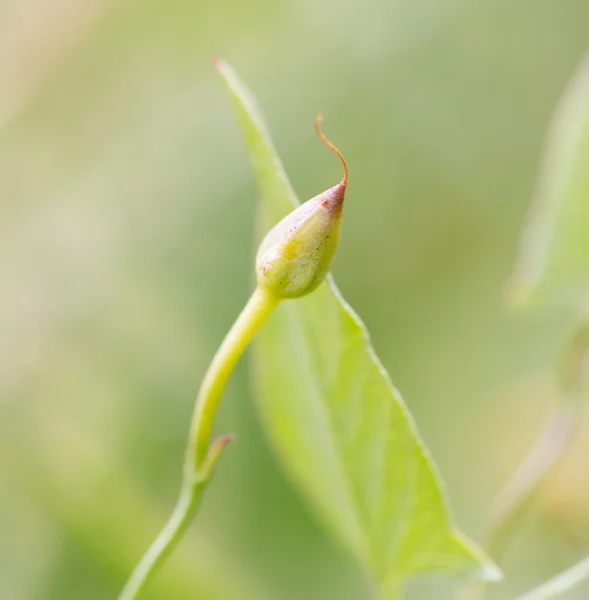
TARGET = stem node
x,y
207,469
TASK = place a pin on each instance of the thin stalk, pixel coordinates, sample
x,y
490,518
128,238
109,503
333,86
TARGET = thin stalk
x,y
201,457
512,501
163,544
520,490
256,311
559,585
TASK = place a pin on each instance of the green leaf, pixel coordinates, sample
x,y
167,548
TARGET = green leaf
x,y
340,427
559,585
553,264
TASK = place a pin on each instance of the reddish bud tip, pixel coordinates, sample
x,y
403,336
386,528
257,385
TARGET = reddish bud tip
x,y
296,255
333,198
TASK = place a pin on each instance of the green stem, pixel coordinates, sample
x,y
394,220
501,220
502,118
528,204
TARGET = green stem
x,y
201,456
163,544
560,584
512,502
256,311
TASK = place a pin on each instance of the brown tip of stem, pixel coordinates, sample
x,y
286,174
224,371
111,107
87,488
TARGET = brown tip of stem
x,y
224,440
322,137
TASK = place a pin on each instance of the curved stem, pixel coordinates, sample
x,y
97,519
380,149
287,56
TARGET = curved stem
x,y
560,584
201,456
511,502
256,311
163,544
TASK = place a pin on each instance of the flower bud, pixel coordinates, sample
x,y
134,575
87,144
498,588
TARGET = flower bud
x,y
296,255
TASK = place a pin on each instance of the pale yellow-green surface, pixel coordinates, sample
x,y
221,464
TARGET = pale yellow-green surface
x,y
126,252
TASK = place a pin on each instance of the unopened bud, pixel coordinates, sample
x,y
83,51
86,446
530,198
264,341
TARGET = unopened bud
x,y
296,255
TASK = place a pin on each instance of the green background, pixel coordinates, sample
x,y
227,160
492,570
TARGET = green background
x,y
126,251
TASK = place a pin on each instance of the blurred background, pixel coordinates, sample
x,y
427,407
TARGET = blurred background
x,y
126,251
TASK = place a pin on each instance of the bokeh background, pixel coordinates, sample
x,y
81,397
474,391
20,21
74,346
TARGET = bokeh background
x,y
126,251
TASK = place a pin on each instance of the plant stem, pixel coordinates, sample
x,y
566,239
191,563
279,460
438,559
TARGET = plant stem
x,y
256,311
163,543
560,584
201,457
511,502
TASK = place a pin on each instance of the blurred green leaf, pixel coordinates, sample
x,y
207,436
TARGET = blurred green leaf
x,y
553,265
338,423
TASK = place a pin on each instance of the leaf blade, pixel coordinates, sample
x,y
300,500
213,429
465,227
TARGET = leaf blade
x,y
338,423
277,194
553,261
